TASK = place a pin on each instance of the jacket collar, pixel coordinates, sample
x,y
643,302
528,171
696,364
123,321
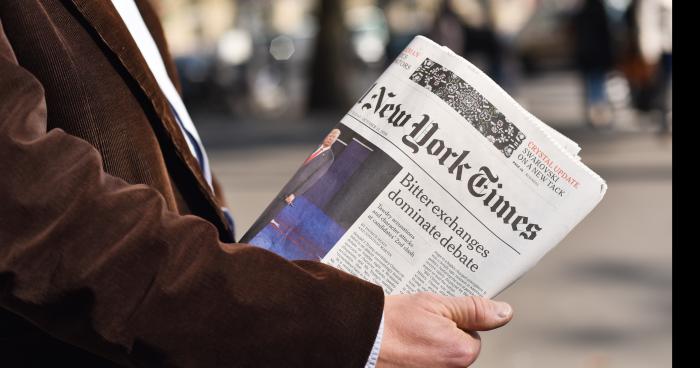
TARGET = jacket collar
x,y
106,22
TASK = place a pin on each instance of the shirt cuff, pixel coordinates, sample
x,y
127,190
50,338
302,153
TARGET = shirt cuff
x,y
374,355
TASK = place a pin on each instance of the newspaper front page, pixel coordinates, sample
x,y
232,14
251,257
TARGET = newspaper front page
x,y
435,180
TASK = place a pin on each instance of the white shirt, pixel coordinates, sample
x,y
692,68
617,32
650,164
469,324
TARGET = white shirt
x,y
131,16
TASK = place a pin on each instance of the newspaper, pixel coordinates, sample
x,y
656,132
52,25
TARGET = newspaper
x,y
435,180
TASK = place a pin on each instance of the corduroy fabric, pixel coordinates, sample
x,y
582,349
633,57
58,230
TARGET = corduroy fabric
x,y
112,247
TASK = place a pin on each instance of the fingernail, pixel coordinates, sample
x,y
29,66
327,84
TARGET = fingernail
x,y
504,310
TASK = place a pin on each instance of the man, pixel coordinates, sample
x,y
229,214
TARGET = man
x,y
595,58
311,170
114,249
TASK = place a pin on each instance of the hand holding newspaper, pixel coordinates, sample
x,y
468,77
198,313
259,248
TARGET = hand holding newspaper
x,y
435,180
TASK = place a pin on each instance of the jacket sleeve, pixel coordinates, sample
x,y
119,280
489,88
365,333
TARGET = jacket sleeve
x,y
102,264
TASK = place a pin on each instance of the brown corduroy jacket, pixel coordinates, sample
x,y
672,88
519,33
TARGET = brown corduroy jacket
x,y
113,250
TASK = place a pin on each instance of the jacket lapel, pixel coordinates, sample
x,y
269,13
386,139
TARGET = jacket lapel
x,y
107,23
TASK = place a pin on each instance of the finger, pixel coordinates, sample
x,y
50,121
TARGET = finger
x,y
477,313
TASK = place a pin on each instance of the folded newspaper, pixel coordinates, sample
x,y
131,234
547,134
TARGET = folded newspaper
x,y
435,180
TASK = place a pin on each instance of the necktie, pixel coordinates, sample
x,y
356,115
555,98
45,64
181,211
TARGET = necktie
x,y
313,155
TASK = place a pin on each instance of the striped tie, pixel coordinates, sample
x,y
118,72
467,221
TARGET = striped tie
x,y
198,153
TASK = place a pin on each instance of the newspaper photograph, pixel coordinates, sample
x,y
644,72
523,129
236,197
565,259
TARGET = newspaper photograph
x,y
435,180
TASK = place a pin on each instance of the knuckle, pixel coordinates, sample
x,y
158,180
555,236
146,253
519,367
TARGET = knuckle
x,y
464,354
470,353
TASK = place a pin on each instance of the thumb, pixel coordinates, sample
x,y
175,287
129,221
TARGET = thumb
x,y
476,313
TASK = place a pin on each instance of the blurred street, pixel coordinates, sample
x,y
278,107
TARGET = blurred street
x,y
601,299
265,80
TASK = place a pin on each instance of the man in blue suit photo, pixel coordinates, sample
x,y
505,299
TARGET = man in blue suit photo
x,y
313,168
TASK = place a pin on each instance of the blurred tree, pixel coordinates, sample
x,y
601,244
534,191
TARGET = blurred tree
x,y
330,66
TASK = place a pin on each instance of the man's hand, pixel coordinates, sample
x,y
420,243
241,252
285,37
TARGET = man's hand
x,y
429,330
289,199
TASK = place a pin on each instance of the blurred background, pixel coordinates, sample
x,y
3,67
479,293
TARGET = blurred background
x,y
266,79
